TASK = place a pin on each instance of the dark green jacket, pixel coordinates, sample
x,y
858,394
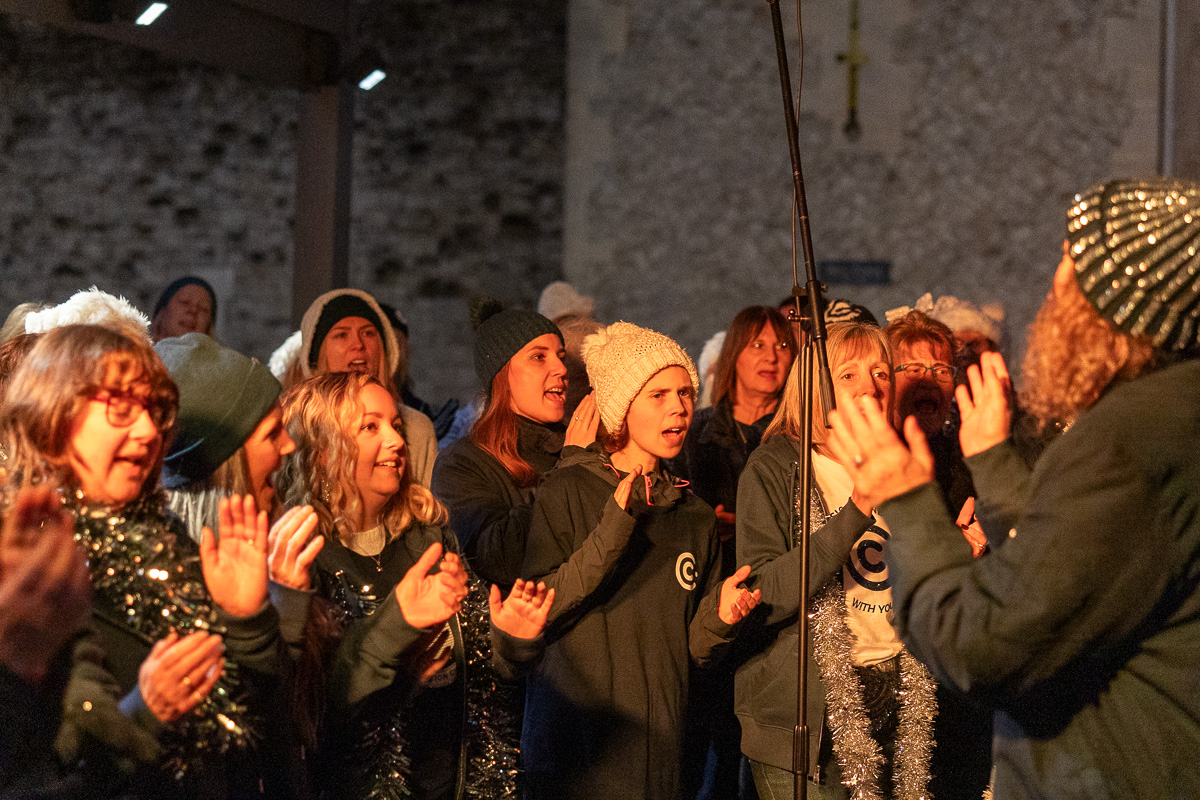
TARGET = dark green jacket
x,y
604,708
113,740
375,677
489,513
1082,625
765,684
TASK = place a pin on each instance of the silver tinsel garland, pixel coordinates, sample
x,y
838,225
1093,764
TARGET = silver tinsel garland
x,y
859,755
138,575
492,731
493,715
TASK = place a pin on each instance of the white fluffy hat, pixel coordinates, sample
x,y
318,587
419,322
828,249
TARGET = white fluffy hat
x,y
560,299
620,360
958,315
92,307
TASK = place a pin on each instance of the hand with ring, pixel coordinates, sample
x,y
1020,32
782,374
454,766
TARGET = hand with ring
x,y
180,672
581,431
893,469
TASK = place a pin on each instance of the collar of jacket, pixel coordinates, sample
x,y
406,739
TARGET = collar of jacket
x,y
664,488
721,429
540,438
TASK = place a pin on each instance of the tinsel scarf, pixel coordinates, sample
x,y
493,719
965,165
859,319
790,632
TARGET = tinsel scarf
x,y
859,755
139,576
492,730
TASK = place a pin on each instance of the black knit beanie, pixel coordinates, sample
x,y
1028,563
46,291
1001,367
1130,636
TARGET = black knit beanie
x,y
177,284
336,310
223,395
500,336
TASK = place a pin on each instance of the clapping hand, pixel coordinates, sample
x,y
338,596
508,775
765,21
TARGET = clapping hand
x,y
291,553
235,565
625,487
984,408
44,586
179,673
880,465
426,600
736,602
581,428
523,614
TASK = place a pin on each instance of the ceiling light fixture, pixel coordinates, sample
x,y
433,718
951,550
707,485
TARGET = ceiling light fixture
x,y
152,12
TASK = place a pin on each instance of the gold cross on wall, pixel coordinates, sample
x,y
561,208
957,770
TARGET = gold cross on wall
x,y
854,58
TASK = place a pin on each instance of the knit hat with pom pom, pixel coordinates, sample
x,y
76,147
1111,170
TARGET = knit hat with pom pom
x,y
620,360
499,335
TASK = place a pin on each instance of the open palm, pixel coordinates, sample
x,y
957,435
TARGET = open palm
x,y
523,613
235,564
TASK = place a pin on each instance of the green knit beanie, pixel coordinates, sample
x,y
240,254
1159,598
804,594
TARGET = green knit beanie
x,y
499,337
223,395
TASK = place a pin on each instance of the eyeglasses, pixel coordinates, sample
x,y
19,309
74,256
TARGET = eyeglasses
x,y
942,373
122,409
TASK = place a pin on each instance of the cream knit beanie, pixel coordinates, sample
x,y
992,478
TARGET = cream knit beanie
x,y
620,360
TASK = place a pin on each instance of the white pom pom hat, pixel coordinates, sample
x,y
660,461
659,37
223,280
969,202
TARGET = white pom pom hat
x,y
621,358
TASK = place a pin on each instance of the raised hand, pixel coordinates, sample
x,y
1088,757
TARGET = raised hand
x,y
880,465
179,673
736,602
523,613
426,600
581,428
235,566
625,487
290,553
984,408
44,586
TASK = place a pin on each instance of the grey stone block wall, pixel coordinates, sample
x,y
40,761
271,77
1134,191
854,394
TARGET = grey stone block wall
x,y
650,168
122,169
979,121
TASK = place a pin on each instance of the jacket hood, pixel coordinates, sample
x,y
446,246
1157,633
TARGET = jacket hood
x,y
391,345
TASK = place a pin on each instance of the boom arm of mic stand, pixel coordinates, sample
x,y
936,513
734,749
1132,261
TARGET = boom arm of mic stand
x,y
813,286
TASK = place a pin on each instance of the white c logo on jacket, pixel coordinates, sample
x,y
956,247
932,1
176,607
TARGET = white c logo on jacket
x,y
685,571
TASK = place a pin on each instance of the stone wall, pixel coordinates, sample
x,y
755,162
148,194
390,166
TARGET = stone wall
x,y
665,126
121,169
978,121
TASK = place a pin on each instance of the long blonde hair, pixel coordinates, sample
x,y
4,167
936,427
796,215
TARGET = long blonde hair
x,y
53,385
844,341
321,415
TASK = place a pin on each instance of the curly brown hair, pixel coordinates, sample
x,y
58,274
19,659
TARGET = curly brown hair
x,y
52,385
1073,356
321,415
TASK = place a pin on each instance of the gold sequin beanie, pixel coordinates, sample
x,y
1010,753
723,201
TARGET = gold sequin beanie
x,y
1135,247
620,360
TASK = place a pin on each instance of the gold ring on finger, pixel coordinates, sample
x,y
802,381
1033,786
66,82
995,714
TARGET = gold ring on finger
x,y
187,681
859,459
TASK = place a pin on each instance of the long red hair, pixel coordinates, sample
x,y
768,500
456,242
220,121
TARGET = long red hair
x,y
496,432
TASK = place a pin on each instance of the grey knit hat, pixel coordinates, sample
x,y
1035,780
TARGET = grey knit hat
x,y
223,395
500,336
1135,246
620,360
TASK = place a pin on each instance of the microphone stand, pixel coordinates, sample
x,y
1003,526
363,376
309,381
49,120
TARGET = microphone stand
x,y
813,347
